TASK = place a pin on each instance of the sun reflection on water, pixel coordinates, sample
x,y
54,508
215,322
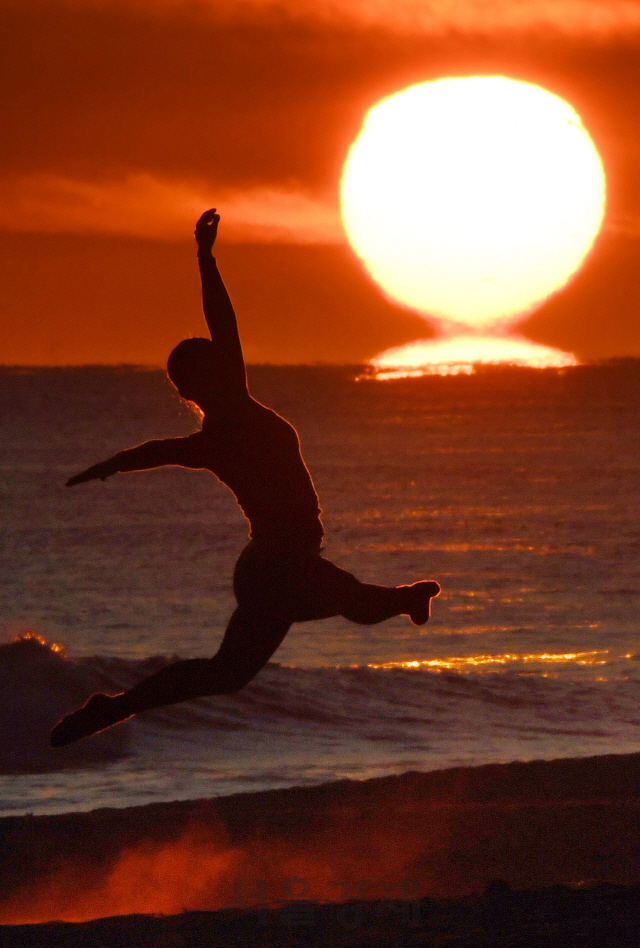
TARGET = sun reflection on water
x,y
459,355
464,663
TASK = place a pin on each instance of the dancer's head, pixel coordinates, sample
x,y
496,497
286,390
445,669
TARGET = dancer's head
x,y
195,372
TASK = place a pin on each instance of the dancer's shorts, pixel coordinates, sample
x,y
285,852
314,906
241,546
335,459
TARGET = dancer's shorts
x,y
296,582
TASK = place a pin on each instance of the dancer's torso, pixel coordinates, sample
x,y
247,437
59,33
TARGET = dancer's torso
x,y
257,455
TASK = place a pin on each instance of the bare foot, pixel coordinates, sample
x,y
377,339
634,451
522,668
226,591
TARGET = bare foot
x,y
419,597
100,712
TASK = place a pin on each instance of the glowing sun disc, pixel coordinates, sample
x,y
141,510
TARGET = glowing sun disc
x,y
472,199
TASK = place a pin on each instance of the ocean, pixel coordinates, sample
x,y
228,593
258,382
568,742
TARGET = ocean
x,y
516,489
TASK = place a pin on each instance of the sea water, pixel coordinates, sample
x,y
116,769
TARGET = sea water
x,y
516,489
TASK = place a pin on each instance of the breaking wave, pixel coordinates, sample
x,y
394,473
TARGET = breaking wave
x,y
399,705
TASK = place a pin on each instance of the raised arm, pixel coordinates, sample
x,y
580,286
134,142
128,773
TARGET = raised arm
x,y
144,457
218,310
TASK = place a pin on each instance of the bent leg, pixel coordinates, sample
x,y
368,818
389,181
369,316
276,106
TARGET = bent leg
x,y
249,642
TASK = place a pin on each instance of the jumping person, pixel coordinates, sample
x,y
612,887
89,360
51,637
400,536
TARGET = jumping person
x,y
281,576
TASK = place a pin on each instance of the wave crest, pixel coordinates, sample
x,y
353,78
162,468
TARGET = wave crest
x,y
38,685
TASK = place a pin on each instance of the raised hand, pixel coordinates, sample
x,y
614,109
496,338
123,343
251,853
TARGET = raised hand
x,y
97,472
207,229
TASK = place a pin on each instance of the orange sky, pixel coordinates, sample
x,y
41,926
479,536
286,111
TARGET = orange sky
x,y
123,119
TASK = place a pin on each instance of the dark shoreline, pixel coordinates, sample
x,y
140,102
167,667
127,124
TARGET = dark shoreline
x,y
563,837
605,916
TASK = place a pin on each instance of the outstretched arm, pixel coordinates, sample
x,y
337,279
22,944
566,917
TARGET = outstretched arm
x,y
218,310
145,456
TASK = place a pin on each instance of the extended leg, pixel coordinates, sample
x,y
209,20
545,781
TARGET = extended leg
x,y
372,604
249,642
333,591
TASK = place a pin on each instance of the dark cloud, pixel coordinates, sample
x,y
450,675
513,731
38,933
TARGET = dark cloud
x,y
584,18
100,93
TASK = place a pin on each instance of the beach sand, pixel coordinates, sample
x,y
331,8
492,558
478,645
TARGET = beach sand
x,y
380,851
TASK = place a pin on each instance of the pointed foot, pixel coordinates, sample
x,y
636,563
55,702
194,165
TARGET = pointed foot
x,y
100,712
420,596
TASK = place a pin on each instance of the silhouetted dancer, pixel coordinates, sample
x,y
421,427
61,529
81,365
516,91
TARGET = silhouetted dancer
x,y
281,576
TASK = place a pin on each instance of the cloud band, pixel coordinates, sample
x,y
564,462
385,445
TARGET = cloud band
x,y
142,205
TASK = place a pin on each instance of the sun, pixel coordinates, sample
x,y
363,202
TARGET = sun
x,y
472,199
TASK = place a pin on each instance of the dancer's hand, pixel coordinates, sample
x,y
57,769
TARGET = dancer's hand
x,y
207,229
98,472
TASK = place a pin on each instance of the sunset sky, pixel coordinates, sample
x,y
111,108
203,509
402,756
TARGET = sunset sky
x,y
124,119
